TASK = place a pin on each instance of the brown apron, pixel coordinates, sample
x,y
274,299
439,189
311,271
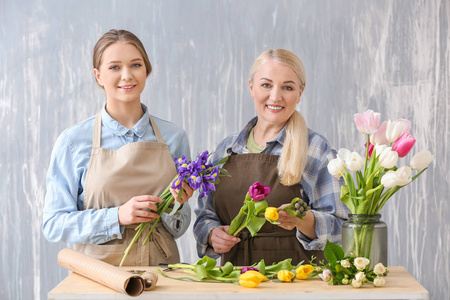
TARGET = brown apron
x,y
272,243
113,178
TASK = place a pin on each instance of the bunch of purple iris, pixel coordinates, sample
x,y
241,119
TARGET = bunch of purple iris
x,y
199,174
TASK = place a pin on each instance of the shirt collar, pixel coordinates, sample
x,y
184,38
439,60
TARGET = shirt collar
x,y
241,140
118,129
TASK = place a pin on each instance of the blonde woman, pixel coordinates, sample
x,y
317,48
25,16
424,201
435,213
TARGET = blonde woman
x,y
106,172
277,149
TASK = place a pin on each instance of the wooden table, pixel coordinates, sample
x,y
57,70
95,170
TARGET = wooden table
x,y
399,285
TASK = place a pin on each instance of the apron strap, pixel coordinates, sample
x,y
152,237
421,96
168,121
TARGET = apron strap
x,y
96,140
156,130
97,131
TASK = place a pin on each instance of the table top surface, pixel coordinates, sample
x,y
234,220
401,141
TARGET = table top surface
x,y
399,285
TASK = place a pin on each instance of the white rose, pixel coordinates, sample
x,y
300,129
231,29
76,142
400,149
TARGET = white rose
x,y
379,269
346,264
360,276
361,263
379,281
356,283
344,280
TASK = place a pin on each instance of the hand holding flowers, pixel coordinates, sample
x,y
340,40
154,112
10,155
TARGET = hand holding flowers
x,y
197,174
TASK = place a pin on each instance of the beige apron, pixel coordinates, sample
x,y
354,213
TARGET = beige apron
x,y
113,178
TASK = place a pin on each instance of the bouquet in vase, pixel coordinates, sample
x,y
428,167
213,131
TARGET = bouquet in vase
x,y
197,174
371,179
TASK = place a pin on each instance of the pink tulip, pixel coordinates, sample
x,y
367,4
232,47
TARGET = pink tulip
x,y
379,137
367,122
404,144
258,192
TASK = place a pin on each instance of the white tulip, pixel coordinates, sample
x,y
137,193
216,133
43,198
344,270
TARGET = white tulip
x,y
389,180
403,176
336,167
388,158
344,154
421,160
379,148
394,129
355,162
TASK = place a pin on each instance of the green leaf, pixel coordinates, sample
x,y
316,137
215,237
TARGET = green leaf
x,y
282,265
227,268
261,266
333,252
210,262
223,160
236,222
346,199
200,270
260,206
254,224
175,208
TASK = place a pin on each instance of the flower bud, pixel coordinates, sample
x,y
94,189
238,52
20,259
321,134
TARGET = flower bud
x,y
367,122
395,129
285,275
355,162
326,275
404,144
388,158
271,214
336,167
421,160
251,279
345,263
403,176
303,271
379,281
389,179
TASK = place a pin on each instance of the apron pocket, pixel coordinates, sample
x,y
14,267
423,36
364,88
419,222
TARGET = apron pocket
x,y
111,254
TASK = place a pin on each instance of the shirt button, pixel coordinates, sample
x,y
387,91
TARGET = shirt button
x,y
130,133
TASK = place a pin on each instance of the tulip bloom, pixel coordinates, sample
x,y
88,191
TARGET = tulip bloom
x,y
389,180
285,275
367,122
388,158
395,129
251,279
404,144
421,160
258,191
336,167
403,176
379,137
245,269
355,162
271,214
303,271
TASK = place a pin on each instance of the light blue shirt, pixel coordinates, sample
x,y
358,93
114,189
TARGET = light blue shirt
x,y
64,218
320,189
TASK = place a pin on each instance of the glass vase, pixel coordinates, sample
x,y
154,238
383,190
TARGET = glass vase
x,y
366,236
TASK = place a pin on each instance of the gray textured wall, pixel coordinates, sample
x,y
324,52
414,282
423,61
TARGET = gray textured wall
x,y
390,56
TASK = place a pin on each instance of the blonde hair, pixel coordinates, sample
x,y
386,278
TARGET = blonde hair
x,y
113,36
294,154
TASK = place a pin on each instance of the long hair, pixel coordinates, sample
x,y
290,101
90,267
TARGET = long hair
x,y
293,156
113,36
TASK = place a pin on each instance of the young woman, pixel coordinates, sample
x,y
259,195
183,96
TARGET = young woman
x,y
106,172
278,150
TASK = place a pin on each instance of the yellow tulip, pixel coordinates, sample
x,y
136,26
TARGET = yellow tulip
x,y
271,213
251,279
285,275
303,271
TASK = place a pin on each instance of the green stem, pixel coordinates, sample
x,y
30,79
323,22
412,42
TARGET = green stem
x,y
367,153
136,236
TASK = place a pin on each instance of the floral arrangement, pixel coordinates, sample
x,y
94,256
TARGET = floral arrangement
x,y
377,176
198,174
343,270
205,270
255,206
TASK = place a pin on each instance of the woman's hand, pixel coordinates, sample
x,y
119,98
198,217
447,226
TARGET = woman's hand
x,y
187,193
307,226
135,210
221,241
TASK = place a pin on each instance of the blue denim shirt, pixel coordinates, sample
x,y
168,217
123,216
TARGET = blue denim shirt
x,y
322,190
64,218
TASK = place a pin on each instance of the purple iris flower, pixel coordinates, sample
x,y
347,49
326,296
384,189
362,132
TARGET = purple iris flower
x,y
258,192
182,160
245,269
176,184
203,157
195,181
212,176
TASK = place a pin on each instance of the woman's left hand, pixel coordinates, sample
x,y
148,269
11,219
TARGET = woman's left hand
x,y
287,221
187,193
